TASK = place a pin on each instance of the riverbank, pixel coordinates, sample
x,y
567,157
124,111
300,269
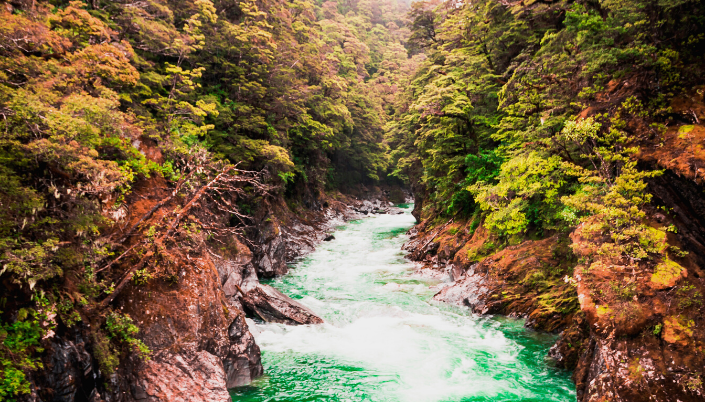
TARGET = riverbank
x,y
644,336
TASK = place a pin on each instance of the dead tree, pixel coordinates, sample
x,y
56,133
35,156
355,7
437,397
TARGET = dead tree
x,y
214,183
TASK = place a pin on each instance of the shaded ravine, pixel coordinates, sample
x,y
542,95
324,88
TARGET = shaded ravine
x,y
384,340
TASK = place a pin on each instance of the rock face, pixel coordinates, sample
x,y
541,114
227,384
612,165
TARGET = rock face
x,y
199,337
282,236
270,257
70,372
272,305
367,207
513,282
183,378
647,345
630,333
684,199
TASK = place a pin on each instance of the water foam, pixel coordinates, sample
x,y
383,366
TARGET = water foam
x,y
384,341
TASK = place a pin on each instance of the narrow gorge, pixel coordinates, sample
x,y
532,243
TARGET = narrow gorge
x,y
352,200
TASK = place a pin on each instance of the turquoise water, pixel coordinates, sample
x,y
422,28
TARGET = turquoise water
x,y
385,340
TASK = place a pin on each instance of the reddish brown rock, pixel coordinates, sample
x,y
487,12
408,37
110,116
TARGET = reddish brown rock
x,y
646,335
182,378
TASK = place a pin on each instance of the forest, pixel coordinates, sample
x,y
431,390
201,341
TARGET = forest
x,y
131,129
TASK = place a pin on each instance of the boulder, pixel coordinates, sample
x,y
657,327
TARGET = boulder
x,y
182,377
200,341
272,305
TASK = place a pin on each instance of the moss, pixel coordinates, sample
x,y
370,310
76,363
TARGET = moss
x,y
483,251
603,310
653,240
535,280
666,274
657,329
623,291
563,302
105,353
636,371
684,130
689,296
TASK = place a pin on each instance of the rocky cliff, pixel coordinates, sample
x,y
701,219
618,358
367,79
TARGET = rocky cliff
x,y
630,331
195,324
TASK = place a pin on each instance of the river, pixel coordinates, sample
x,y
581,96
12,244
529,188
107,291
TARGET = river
x,y
385,340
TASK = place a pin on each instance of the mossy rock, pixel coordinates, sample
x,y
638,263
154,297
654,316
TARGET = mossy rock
x,y
603,310
654,240
667,274
684,130
677,330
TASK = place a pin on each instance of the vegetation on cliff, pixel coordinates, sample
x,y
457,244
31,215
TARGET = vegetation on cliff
x,y
107,105
541,119
129,128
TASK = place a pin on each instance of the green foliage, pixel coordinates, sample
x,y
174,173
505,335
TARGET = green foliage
x,y
121,328
19,344
510,114
526,193
657,329
689,296
141,277
623,291
105,353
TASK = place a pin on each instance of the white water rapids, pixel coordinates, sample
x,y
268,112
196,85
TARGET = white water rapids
x,y
385,340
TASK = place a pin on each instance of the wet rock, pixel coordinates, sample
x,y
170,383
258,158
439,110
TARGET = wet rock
x,y
243,363
570,345
272,257
456,272
432,247
470,291
271,305
70,372
329,238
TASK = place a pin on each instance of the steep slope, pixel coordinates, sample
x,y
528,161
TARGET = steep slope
x,y
553,149
157,158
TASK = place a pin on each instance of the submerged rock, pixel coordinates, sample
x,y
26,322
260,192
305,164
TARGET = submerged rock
x,y
272,305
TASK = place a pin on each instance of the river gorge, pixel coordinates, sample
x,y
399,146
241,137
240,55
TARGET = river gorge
x,y
385,340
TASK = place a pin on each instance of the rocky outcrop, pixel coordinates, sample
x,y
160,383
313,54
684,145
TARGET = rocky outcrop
x,y
70,371
183,378
377,207
526,280
646,334
630,333
271,305
281,235
643,336
198,335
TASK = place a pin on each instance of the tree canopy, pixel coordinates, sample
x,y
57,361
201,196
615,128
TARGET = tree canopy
x,y
100,97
